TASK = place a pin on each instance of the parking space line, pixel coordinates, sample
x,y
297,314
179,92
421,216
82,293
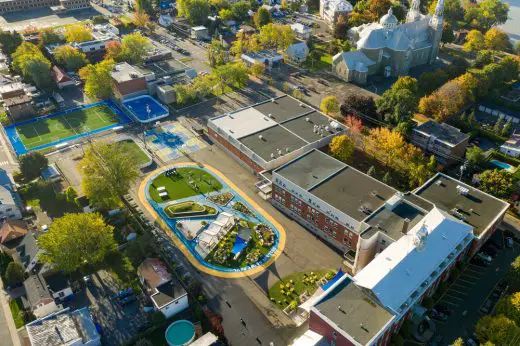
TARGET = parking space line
x,y
448,302
468,281
450,296
474,277
460,293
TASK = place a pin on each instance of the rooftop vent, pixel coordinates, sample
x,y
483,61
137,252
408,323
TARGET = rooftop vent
x,y
374,193
462,190
272,100
279,152
438,182
307,119
261,137
286,149
327,128
302,105
270,115
272,155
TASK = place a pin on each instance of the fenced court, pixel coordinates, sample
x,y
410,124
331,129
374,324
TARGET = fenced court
x,y
53,129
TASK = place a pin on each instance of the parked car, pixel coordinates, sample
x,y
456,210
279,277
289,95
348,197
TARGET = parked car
x,y
471,342
486,308
484,257
479,262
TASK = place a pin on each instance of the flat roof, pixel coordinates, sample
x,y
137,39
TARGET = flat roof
x,y
305,126
275,140
244,122
443,132
354,312
124,72
310,169
350,191
163,68
476,207
283,108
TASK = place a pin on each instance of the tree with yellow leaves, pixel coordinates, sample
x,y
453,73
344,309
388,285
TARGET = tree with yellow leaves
x,y
474,41
497,39
342,148
329,105
77,33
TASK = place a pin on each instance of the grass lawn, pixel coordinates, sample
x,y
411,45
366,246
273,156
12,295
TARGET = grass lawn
x,y
67,125
122,269
16,306
178,186
298,286
139,155
188,207
47,197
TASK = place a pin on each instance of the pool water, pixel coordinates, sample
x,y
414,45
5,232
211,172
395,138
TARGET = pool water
x,y
502,165
180,333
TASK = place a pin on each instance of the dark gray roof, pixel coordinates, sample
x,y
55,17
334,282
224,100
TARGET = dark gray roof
x,y
303,126
57,281
273,139
476,208
443,132
168,292
354,312
283,108
36,289
310,169
392,221
27,250
350,190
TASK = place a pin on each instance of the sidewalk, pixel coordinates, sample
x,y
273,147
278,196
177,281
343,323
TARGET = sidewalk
x,y
8,333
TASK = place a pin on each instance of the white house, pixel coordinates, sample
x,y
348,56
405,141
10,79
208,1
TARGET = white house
x,y
9,204
301,31
167,295
511,147
199,32
267,57
297,52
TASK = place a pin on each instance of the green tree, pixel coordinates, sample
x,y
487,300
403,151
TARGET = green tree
x,y
371,171
39,72
72,58
70,194
75,241
513,275
197,11
134,48
475,157
387,179
506,130
217,54
483,58
399,103
277,36
14,273
49,36
262,17
499,183
496,329
509,306
108,171
98,82
77,33
447,33
31,165
453,10
499,125
29,61
257,69
240,10
496,39
225,14
144,6
342,148
231,75
494,12
429,81
474,41
458,342
341,27
329,105
10,41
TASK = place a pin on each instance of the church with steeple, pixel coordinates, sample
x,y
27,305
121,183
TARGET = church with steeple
x,y
390,48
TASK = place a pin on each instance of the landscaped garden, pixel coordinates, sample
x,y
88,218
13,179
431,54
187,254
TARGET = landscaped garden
x,y
221,198
261,241
241,207
294,289
186,182
188,208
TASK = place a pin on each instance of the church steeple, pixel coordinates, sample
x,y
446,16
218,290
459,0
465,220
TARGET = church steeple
x,y
414,13
436,25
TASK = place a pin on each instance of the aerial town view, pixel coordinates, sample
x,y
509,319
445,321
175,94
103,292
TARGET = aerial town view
x,y
260,172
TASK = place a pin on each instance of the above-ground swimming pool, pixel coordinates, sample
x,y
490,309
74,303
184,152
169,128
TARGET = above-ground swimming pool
x,y
180,333
145,108
502,165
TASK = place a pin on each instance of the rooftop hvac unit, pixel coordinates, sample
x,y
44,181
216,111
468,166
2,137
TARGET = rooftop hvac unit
x,y
439,182
301,104
307,119
462,190
272,155
272,100
260,137
286,149
327,128
271,115
279,152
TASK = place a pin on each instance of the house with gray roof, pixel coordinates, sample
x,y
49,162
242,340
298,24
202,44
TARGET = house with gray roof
x,y
446,142
390,48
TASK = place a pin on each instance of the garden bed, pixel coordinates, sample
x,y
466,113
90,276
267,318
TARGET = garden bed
x,y
221,198
241,207
188,208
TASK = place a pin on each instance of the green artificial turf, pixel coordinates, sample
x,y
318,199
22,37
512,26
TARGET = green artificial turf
x,y
67,125
178,186
139,155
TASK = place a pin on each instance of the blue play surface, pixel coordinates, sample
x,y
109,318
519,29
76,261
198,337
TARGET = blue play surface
x,y
145,108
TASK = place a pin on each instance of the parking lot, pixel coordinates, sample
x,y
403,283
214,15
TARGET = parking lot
x,y
467,296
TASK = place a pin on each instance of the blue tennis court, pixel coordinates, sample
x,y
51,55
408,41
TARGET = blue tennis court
x,y
58,128
145,108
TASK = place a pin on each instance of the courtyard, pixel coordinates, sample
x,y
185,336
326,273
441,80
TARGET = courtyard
x,y
222,231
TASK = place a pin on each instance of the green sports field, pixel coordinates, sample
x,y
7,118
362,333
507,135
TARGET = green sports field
x,y
67,125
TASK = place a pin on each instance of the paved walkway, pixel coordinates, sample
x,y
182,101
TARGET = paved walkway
x,y
186,251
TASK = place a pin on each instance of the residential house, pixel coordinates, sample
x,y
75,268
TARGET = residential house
x,y
64,328
11,88
37,297
9,206
61,78
446,142
167,295
12,232
19,107
297,52
199,33
331,10
303,32
269,58
511,147
57,283
27,252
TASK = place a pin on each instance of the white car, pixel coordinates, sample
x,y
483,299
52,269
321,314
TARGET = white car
x,y
484,257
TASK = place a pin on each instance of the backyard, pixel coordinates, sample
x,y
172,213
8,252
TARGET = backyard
x,y
186,182
291,287
19,316
48,197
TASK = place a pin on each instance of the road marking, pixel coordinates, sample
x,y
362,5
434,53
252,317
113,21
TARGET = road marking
x,y
450,296
448,302
472,276
461,293
468,281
